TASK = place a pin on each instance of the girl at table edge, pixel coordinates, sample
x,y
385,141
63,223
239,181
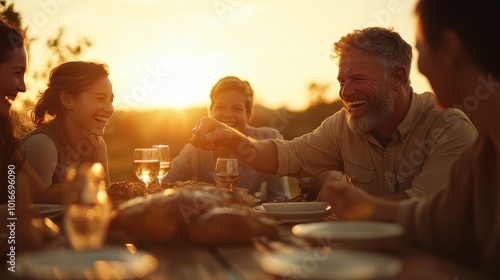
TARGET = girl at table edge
x,y
79,98
458,52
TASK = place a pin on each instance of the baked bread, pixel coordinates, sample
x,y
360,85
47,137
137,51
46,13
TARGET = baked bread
x,y
165,216
230,225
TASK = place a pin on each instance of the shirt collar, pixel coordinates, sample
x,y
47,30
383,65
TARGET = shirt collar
x,y
413,112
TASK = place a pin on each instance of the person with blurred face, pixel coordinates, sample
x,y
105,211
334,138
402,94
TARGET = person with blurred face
x,y
387,140
79,98
231,104
458,53
19,184
13,63
12,69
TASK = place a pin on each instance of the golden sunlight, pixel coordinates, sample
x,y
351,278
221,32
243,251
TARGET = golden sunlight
x,y
170,53
176,81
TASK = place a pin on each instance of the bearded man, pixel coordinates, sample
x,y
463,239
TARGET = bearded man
x,y
387,140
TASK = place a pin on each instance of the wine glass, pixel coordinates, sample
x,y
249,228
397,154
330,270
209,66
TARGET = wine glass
x,y
88,210
146,164
227,173
164,157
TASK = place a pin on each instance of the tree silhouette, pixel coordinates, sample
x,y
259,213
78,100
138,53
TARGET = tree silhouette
x,y
9,13
62,52
317,92
14,17
59,52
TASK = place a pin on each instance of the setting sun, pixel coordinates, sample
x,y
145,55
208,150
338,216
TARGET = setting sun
x,y
178,82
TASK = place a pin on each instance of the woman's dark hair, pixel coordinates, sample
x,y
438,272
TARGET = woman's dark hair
x,y
475,22
11,39
71,77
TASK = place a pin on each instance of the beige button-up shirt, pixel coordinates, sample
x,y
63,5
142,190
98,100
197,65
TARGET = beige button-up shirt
x,y
417,161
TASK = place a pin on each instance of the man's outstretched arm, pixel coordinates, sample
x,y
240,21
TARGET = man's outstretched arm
x,y
210,134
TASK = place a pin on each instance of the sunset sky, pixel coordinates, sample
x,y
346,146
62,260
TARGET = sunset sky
x,y
171,52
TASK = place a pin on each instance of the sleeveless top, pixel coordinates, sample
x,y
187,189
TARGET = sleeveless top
x,y
68,154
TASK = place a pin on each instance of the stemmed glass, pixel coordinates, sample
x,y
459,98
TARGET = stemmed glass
x,y
146,164
88,207
227,173
164,157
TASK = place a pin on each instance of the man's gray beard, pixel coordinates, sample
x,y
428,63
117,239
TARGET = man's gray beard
x,y
376,114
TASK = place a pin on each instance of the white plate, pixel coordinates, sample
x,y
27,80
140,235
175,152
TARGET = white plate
x,y
337,264
350,234
107,263
295,206
49,210
293,217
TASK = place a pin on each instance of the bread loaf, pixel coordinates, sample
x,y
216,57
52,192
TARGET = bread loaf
x,y
230,225
166,215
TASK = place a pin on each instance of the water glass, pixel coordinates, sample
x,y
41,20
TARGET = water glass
x,y
88,210
227,173
146,164
164,157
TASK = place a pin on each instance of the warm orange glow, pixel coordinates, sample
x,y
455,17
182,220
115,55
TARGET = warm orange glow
x,y
131,248
170,53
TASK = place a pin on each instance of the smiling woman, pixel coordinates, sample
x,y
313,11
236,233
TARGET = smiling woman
x,y
79,98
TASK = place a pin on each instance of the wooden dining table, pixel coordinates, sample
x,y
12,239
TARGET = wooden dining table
x,y
242,262
183,260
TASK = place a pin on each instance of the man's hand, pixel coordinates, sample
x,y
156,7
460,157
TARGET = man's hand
x,y
210,134
350,203
346,201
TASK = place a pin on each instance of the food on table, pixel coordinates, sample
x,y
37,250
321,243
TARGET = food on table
x,y
169,214
230,225
122,191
